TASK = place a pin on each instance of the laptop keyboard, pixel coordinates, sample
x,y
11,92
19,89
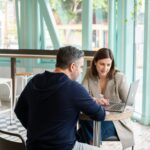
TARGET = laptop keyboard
x,y
116,106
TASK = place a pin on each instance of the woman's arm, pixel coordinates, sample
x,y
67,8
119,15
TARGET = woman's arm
x,y
123,87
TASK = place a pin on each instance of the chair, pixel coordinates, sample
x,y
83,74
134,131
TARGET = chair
x,y
7,144
8,83
24,76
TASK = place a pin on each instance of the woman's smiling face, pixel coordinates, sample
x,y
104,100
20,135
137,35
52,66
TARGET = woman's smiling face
x,y
103,67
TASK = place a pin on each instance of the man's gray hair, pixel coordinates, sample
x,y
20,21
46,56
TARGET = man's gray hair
x,y
67,55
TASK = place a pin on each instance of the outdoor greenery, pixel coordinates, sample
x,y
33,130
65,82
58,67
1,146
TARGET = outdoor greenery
x,y
69,11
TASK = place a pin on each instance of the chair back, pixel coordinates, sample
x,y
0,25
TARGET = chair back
x,y
9,143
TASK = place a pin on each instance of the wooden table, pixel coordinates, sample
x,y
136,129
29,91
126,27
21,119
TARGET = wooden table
x,y
110,116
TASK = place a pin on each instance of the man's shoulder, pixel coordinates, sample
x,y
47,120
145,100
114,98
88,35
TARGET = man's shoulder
x,y
76,86
42,74
75,83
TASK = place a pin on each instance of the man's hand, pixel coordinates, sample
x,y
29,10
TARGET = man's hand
x,y
102,101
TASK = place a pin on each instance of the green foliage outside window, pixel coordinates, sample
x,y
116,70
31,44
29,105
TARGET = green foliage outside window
x,y
71,10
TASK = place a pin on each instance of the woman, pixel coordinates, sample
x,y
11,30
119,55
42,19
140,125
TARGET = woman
x,y
104,83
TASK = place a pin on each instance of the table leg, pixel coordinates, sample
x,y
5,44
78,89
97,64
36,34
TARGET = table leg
x,y
96,133
11,102
13,72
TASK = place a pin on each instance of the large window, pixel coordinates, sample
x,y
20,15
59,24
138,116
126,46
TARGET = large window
x,y
68,17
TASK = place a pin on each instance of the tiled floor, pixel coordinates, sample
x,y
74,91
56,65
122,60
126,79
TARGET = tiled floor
x,y
141,132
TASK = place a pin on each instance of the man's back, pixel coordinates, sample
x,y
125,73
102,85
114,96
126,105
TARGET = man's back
x,y
54,102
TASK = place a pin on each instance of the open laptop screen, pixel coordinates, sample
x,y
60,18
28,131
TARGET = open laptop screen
x,y
119,107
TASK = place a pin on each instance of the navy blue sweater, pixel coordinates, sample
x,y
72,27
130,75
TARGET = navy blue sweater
x,y
49,108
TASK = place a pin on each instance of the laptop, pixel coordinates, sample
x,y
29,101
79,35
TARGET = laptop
x,y
120,107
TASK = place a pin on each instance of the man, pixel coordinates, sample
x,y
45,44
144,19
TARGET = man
x,y
50,105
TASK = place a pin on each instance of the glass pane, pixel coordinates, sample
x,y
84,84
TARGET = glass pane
x,y
8,29
67,15
139,46
100,24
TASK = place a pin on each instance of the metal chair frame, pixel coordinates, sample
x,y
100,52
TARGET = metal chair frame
x,y
7,144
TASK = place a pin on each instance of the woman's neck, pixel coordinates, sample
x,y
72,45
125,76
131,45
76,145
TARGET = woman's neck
x,y
102,77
